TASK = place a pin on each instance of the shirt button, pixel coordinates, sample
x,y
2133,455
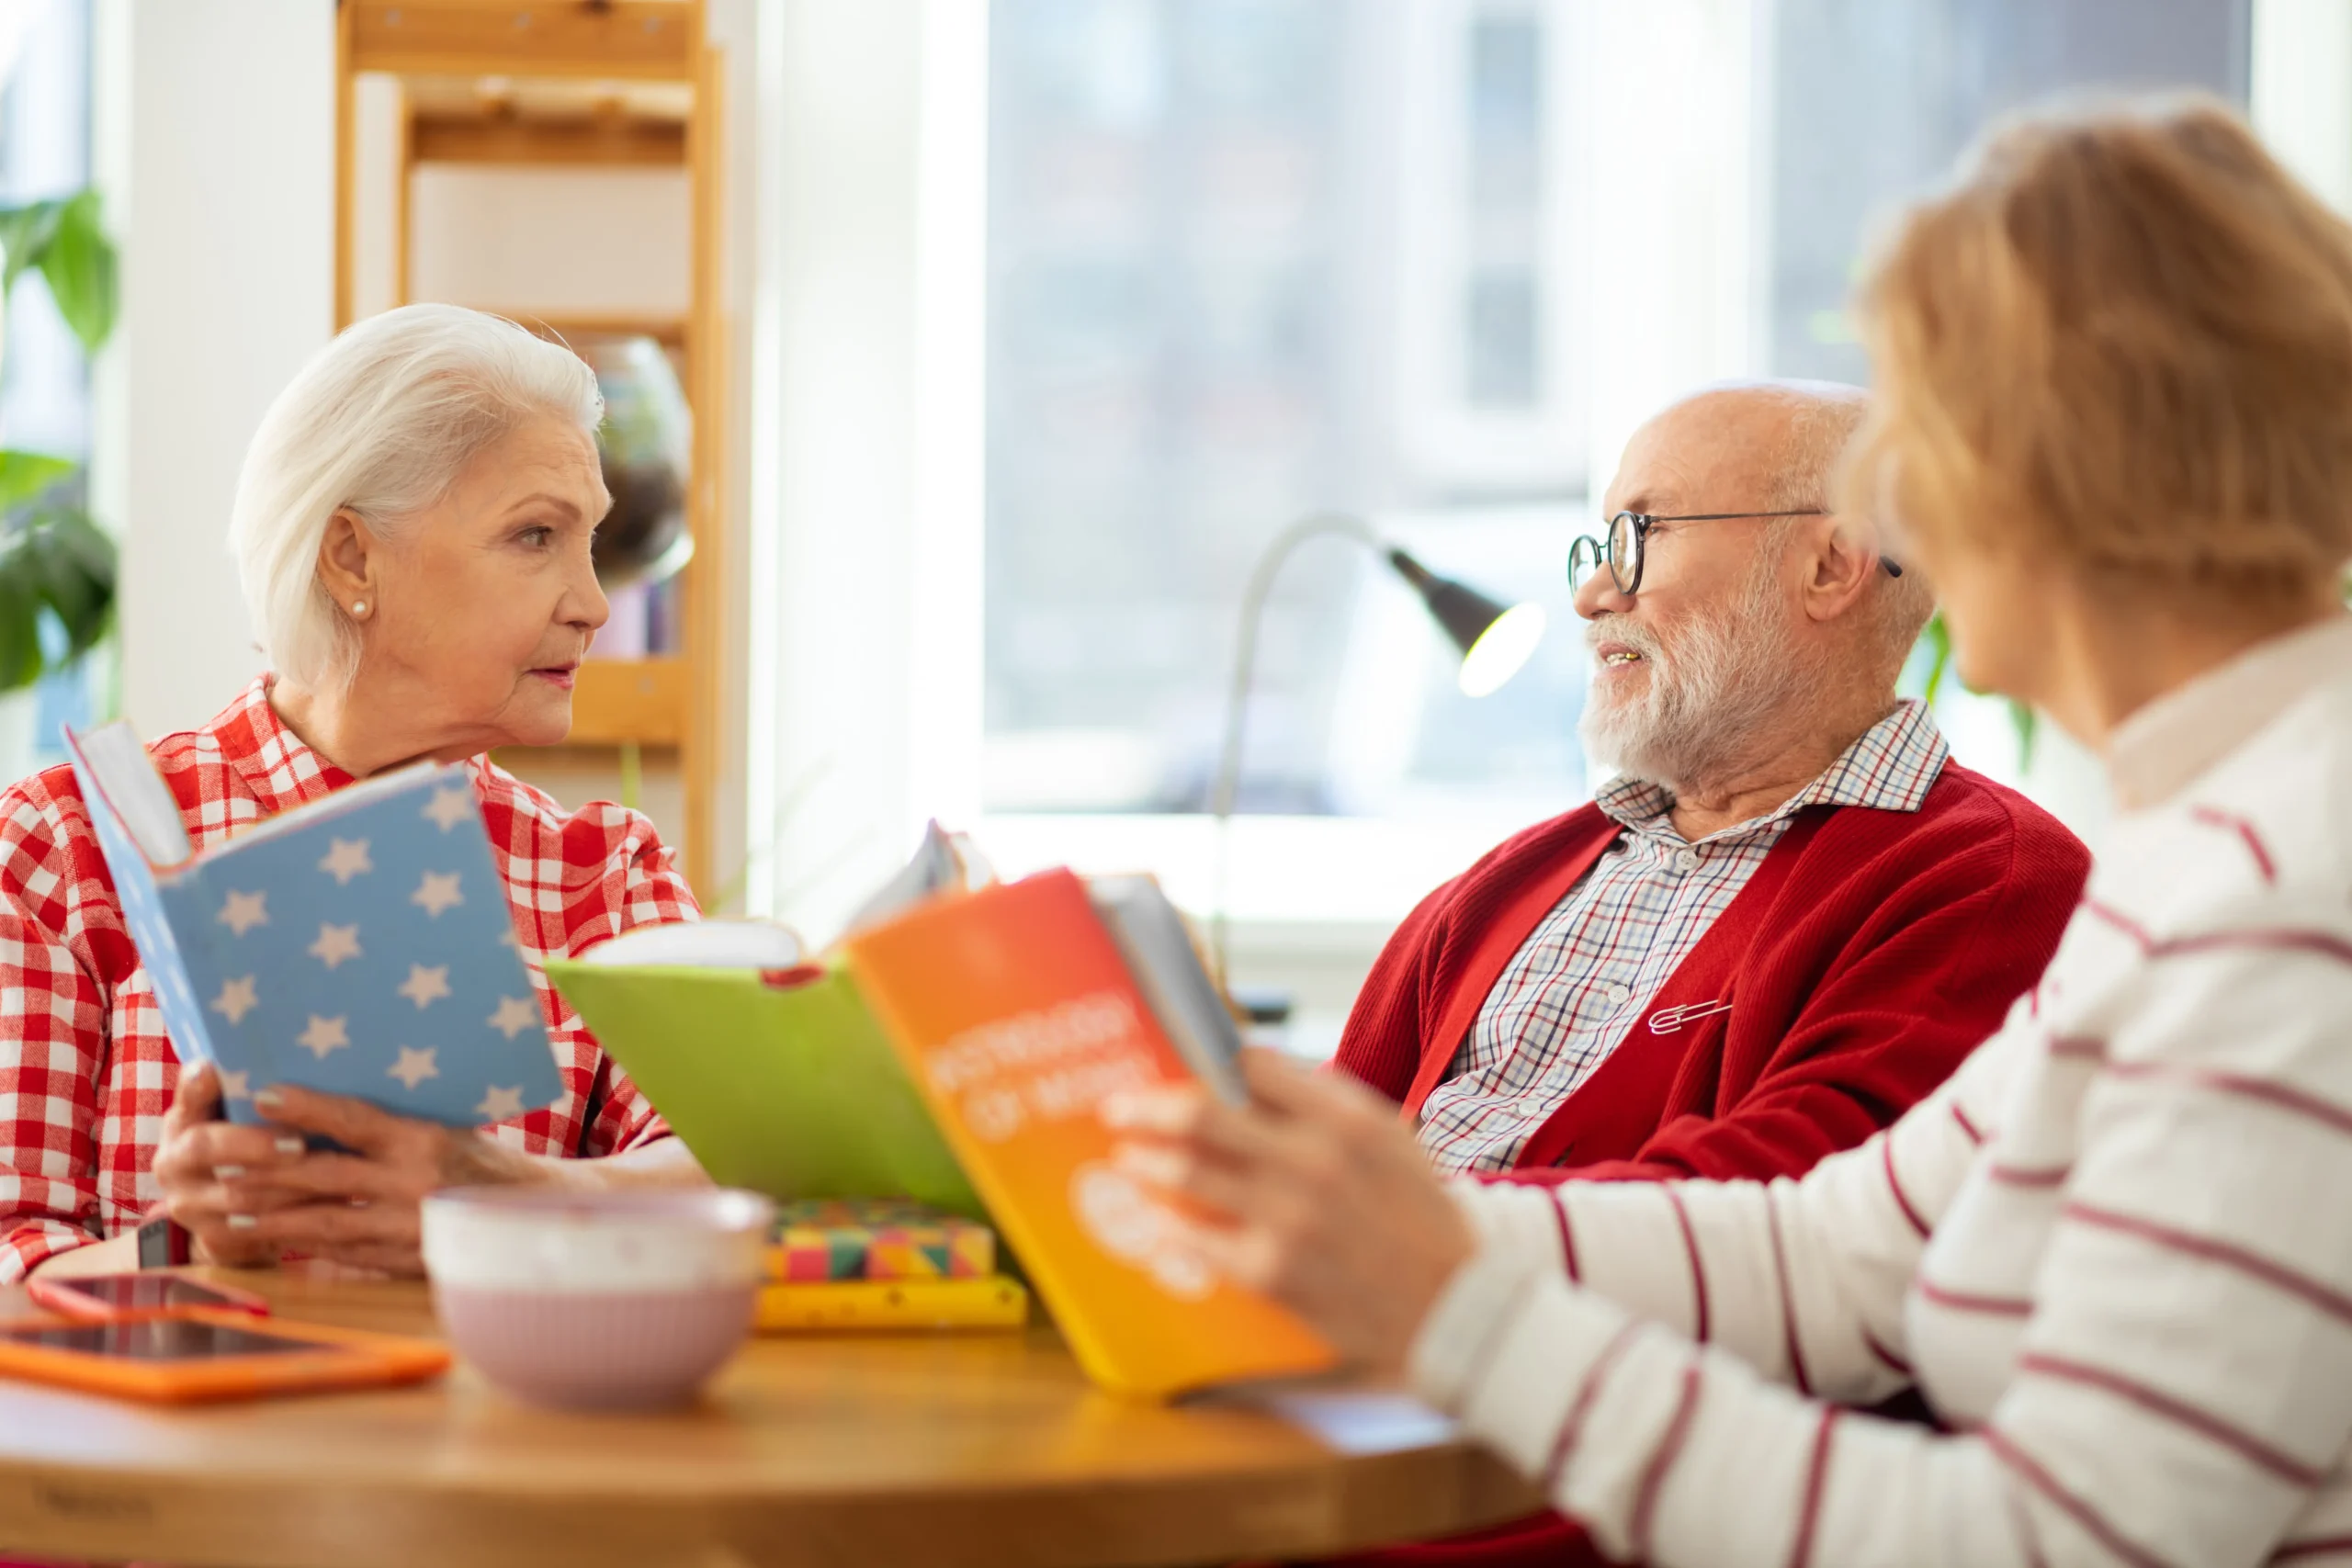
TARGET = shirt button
x,y
1687,859
1617,995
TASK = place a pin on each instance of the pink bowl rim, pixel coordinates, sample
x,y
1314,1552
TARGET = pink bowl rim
x,y
720,1208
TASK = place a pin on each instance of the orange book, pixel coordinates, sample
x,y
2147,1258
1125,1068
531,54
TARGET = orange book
x,y
1016,1017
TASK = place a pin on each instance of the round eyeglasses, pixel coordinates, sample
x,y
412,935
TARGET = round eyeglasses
x,y
1624,546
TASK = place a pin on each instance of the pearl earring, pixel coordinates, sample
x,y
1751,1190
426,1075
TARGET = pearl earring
x,y
359,607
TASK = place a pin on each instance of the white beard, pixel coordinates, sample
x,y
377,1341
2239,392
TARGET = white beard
x,y
1708,704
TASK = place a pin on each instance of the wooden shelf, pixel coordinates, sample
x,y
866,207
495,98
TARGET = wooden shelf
x,y
660,143
522,119
608,84
670,331
614,701
630,39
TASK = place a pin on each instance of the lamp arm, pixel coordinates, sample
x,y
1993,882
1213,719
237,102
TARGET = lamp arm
x,y
1245,659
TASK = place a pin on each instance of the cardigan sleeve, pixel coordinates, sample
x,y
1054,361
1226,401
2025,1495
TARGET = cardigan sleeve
x,y
2182,1385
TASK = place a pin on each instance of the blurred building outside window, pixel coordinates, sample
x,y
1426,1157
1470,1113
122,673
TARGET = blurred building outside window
x,y
44,376
1429,261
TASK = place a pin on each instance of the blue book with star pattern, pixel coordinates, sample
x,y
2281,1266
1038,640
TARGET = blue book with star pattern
x,y
360,946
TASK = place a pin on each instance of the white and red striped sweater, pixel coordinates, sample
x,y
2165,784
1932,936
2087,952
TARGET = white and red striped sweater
x,y
2114,1251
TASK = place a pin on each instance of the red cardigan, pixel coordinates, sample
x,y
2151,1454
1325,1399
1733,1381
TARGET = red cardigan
x,y
1869,954
1864,959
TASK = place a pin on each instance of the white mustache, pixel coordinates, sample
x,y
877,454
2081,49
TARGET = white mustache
x,y
1640,638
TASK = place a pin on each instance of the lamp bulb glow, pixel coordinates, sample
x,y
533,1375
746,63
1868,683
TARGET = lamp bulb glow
x,y
1502,649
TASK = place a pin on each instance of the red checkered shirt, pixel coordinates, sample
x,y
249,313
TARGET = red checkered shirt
x,y
87,1071
1593,964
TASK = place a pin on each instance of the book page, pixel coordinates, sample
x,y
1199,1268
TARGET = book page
x,y
140,799
937,867
1151,938
701,944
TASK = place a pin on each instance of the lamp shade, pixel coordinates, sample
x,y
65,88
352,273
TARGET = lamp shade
x,y
1495,639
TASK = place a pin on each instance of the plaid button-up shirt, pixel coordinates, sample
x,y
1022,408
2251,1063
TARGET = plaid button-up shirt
x,y
1596,961
85,1069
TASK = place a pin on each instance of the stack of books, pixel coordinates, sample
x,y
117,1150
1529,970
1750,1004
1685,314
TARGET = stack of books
x,y
883,1263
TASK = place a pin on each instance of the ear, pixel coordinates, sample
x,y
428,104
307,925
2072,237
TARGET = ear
x,y
347,560
1840,559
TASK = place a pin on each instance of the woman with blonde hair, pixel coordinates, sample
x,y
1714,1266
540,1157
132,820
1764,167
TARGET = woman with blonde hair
x,y
412,526
2113,425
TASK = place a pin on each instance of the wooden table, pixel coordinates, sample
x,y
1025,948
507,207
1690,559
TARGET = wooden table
x,y
882,1452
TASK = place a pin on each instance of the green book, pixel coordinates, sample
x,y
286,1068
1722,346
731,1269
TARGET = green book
x,y
778,1079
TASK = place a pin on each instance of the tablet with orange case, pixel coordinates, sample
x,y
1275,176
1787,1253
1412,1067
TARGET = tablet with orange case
x,y
201,1354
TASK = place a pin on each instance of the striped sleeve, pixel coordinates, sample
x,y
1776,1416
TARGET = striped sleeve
x,y
1805,1279
2185,1376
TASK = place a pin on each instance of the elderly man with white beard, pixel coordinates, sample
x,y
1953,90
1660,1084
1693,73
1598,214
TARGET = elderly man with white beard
x,y
1787,919
1789,916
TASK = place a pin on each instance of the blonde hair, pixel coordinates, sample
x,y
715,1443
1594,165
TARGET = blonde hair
x,y
380,422
2122,338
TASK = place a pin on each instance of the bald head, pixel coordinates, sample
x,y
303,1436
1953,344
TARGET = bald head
x,y
1775,444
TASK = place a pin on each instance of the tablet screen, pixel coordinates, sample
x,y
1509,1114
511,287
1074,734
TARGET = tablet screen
x,y
145,1293
157,1340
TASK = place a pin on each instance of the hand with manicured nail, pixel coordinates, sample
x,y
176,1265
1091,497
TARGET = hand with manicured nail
x,y
1313,1193
248,1196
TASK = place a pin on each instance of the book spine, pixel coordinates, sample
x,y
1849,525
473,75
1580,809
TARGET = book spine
x,y
868,1304
140,893
186,965
179,985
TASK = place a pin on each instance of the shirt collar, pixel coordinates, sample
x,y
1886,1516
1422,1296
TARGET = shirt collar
x,y
1890,767
280,770
2161,750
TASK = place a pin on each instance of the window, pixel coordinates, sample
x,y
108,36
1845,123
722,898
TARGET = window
x,y
1871,101
1250,259
1428,261
44,376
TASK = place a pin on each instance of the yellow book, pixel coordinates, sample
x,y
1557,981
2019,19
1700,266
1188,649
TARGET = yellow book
x,y
994,1302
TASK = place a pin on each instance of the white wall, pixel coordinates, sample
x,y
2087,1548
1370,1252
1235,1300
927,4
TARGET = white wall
x,y
214,131
2300,93
865,444
553,242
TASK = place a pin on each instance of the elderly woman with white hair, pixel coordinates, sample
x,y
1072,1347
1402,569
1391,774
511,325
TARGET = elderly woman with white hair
x,y
412,525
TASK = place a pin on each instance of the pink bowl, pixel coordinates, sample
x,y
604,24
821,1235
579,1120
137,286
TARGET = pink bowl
x,y
621,1301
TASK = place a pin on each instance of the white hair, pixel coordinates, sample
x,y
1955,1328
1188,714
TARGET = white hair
x,y
380,423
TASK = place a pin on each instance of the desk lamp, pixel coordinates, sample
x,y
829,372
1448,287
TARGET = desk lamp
x,y
1495,641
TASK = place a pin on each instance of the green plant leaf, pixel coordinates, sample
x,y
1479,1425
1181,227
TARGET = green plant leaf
x,y
71,566
20,660
1938,639
25,234
2028,724
54,562
24,474
79,264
